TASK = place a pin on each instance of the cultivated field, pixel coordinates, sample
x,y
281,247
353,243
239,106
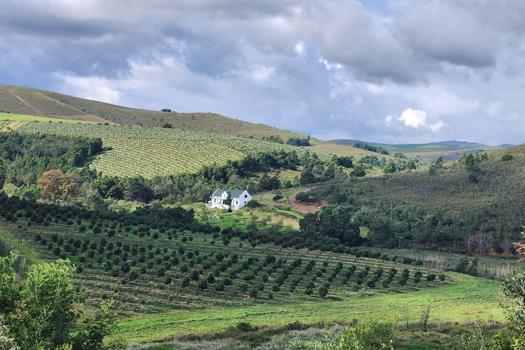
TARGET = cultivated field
x,y
174,268
150,152
165,279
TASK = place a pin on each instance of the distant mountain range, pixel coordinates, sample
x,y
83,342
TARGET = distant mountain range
x,y
449,149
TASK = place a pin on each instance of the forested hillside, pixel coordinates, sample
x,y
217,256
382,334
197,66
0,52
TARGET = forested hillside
x,y
475,204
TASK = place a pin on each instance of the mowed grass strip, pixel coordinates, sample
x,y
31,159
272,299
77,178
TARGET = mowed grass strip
x,y
468,299
33,118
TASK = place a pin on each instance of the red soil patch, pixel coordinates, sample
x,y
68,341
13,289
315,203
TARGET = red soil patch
x,y
305,208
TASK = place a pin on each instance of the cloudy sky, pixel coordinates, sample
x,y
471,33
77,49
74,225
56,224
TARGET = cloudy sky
x,y
389,71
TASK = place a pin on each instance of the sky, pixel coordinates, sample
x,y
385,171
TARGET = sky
x,y
397,71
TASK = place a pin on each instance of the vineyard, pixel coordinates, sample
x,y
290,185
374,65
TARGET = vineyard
x,y
150,152
152,268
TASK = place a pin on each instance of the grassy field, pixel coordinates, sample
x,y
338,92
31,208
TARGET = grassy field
x,y
465,300
14,121
240,219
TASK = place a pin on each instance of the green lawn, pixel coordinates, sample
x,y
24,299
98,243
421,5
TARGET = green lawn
x,y
467,299
19,246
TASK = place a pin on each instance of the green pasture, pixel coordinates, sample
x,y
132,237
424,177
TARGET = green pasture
x,y
465,300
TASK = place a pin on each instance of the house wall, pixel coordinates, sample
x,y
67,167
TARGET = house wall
x,y
237,203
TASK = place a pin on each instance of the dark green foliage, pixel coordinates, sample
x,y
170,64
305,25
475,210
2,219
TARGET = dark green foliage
x,y
507,157
273,138
268,183
358,171
323,290
199,186
435,166
472,164
347,162
301,142
429,209
277,197
417,276
23,158
303,197
431,277
371,148
41,311
333,222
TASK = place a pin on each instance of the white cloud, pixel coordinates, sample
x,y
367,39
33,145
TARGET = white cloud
x,y
330,65
417,119
414,118
90,87
299,48
261,74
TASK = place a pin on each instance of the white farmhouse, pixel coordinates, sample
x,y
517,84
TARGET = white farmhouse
x,y
221,196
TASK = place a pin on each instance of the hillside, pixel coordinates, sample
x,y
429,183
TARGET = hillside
x,y
443,210
150,152
449,150
21,100
136,145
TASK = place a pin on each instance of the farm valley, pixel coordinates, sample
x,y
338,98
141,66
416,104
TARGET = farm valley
x,y
158,236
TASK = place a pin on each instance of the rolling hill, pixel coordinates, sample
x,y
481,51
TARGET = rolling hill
x,y
449,150
138,141
27,101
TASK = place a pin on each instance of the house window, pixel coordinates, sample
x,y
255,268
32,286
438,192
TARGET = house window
x,y
245,196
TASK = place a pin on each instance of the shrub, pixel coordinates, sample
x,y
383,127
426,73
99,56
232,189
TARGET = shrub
x,y
219,287
417,276
323,291
244,327
203,285
431,277
303,197
363,336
